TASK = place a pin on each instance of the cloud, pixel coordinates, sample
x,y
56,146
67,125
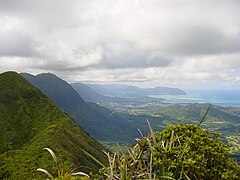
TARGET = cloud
x,y
150,41
63,57
197,40
15,40
21,64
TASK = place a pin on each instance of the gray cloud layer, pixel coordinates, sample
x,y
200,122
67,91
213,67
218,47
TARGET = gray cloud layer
x,y
155,41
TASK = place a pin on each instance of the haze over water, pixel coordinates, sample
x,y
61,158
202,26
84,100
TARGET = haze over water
x,y
221,97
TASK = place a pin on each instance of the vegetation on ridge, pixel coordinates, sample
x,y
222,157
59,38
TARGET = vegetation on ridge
x,y
29,122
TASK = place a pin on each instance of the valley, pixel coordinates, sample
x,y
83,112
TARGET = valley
x,y
219,119
225,120
117,118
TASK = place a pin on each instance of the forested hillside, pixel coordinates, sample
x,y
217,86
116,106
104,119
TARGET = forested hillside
x,y
30,122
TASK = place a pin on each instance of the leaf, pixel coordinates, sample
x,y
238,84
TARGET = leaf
x,y
152,133
93,158
140,133
80,174
46,172
186,176
204,116
124,171
53,155
171,140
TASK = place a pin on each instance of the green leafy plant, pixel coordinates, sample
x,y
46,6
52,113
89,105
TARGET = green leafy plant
x,y
29,121
68,175
135,163
186,150
179,152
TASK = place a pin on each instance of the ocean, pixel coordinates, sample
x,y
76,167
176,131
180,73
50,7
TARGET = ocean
x,y
221,97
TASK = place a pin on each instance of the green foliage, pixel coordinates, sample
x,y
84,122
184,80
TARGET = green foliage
x,y
29,122
195,152
61,174
234,142
178,152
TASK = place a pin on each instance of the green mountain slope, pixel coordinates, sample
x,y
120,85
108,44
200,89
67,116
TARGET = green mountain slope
x,y
98,121
57,90
29,122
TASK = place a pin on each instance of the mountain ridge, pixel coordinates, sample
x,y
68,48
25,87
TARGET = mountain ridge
x,y
126,91
29,122
93,118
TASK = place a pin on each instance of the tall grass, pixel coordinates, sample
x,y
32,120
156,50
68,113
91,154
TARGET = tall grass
x,y
137,161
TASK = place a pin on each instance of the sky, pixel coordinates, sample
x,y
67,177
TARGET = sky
x,y
180,43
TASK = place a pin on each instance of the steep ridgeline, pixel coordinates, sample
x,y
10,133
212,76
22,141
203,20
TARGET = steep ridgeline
x,y
125,91
57,90
29,121
98,121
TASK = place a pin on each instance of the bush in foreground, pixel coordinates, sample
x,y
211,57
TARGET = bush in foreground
x,y
178,152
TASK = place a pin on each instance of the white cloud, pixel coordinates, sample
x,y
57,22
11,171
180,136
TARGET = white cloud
x,y
21,64
148,41
64,57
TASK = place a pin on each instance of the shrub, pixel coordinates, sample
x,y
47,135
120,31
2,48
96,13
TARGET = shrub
x,y
178,152
191,152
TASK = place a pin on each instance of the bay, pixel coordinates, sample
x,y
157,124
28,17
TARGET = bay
x,y
221,97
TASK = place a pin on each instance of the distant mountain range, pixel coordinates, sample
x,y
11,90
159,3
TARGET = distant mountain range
x,y
29,122
125,91
90,95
